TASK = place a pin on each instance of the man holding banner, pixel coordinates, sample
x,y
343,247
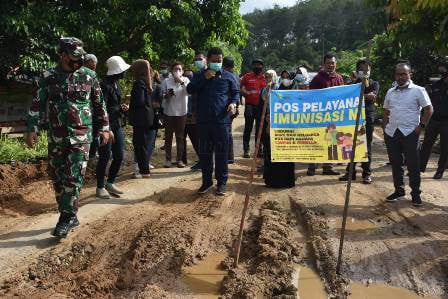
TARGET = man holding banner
x,y
363,68
324,79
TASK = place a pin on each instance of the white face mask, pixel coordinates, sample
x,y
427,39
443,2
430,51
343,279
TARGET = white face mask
x,y
286,82
362,74
177,74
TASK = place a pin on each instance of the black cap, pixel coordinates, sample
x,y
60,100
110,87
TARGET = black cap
x,y
257,61
228,62
72,45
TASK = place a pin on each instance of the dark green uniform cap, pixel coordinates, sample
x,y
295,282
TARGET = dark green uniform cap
x,y
72,45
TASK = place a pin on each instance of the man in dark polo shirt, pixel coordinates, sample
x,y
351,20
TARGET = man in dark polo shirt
x,y
327,77
363,68
438,124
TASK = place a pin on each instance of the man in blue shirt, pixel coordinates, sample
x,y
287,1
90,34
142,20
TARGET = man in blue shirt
x,y
218,93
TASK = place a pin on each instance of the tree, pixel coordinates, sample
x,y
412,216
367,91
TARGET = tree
x,y
153,29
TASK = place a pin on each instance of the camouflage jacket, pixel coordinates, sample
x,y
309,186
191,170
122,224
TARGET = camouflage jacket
x,y
67,104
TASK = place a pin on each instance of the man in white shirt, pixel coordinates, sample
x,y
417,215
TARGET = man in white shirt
x,y
175,108
402,126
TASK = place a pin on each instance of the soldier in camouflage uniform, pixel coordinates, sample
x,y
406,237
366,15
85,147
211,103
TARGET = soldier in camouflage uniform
x,y
68,101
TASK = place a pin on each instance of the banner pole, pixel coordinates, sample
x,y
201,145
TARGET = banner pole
x,y
251,179
350,174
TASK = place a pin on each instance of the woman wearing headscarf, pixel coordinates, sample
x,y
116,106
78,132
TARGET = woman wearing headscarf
x,y
286,82
275,174
141,113
116,67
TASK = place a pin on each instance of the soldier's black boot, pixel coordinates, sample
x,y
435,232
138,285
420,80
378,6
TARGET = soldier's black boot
x,y
65,224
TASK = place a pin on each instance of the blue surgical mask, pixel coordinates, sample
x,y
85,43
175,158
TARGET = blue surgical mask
x,y
200,64
215,66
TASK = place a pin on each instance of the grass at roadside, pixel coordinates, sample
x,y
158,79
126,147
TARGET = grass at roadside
x,y
15,149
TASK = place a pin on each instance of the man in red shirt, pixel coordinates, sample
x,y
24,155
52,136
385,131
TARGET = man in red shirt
x,y
251,85
327,77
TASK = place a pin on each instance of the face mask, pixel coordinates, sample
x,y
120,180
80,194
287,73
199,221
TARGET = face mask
x,y
362,74
75,64
257,70
164,71
215,66
177,74
286,82
200,64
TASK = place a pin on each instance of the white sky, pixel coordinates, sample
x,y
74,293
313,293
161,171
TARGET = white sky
x,y
249,5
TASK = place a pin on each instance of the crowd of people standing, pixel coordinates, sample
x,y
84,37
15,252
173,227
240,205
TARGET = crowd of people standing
x,y
85,118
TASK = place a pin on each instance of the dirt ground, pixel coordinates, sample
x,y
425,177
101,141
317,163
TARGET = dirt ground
x,y
138,246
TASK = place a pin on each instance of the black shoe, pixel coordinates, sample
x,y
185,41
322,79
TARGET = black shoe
x,y
311,172
65,224
196,167
438,175
396,196
230,161
221,190
367,180
416,200
330,172
246,154
205,188
344,178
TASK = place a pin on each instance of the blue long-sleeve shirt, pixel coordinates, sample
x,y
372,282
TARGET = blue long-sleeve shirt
x,y
214,96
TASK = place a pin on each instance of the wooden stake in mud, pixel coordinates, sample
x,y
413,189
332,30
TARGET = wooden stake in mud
x,y
365,82
251,177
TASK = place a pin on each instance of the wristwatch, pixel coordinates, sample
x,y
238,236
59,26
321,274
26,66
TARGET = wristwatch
x,y
422,125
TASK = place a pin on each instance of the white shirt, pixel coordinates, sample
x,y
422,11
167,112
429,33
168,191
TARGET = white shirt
x,y
405,106
176,105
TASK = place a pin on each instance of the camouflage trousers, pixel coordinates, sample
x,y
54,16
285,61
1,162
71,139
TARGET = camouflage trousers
x,y
67,167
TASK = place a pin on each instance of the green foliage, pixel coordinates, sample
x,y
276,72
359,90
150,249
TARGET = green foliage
x,y
14,149
287,37
156,30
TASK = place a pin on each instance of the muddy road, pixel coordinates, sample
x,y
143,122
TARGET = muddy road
x,y
162,240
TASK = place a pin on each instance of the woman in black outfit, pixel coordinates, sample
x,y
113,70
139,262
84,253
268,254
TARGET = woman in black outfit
x,y
141,113
275,174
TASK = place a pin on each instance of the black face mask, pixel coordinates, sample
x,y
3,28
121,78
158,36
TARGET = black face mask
x,y
257,70
75,64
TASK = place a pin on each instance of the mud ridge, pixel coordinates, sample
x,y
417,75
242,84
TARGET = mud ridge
x,y
269,252
325,258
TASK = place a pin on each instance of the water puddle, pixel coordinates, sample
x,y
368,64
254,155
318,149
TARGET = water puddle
x,y
309,284
382,291
204,279
354,224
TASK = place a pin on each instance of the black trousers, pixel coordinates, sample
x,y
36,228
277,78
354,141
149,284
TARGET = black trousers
x,y
214,140
366,166
141,142
191,132
407,147
251,114
433,129
231,154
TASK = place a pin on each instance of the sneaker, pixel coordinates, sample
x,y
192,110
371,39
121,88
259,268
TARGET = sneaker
x,y
137,175
151,166
330,172
196,167
367,180
416,200
396,196
146,175
344,178
221,190
311,172
102,193
65,224
438,175
205,188
167,164
246,155
112,188
180,164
